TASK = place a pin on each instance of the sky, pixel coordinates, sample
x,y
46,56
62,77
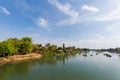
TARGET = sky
x,y
80,23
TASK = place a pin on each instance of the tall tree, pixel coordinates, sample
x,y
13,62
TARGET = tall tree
x,y
15,43
6,49
25,45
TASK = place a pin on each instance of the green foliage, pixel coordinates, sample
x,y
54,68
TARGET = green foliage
x,y
45,51
48,50
14,46
25,45
47,45
36,48
60,48
52,47
7,49
15,43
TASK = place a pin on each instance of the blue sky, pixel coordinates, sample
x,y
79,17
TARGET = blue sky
x,y
82,23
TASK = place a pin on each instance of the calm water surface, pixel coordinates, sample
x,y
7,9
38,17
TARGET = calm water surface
x,y
72,67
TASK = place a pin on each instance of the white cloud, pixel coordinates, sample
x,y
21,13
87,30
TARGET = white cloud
x,y
98,36
65,8
42,22
69,21
109,16
4,10
114,15
89,8
109,13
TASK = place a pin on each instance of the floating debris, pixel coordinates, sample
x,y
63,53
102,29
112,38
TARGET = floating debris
x,y
84,55
91,55
107,55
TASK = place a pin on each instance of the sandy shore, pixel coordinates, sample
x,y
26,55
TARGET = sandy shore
x,y
17,58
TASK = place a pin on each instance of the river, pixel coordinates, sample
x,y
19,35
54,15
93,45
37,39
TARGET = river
x,y
73,67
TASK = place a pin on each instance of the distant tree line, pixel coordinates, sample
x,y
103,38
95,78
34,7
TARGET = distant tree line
x,y
113,50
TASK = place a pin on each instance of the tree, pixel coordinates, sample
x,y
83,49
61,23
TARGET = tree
x,y
60,48
35,48
15,43
47,45
25,45
52,48
6,49
15,46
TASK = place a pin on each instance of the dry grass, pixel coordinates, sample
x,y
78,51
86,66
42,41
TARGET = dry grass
x,y
17,58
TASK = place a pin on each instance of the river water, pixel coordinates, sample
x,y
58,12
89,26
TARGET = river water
x,y
72,67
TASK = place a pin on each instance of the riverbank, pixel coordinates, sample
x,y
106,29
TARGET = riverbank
x,y
18,58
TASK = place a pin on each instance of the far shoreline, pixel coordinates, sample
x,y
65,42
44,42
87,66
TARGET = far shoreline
x,y
19,58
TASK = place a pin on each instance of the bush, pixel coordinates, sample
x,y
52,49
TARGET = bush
x,y
7,49
35,48
25,45
14,46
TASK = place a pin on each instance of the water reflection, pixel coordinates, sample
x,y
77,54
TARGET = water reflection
x,y
71,67
52,60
